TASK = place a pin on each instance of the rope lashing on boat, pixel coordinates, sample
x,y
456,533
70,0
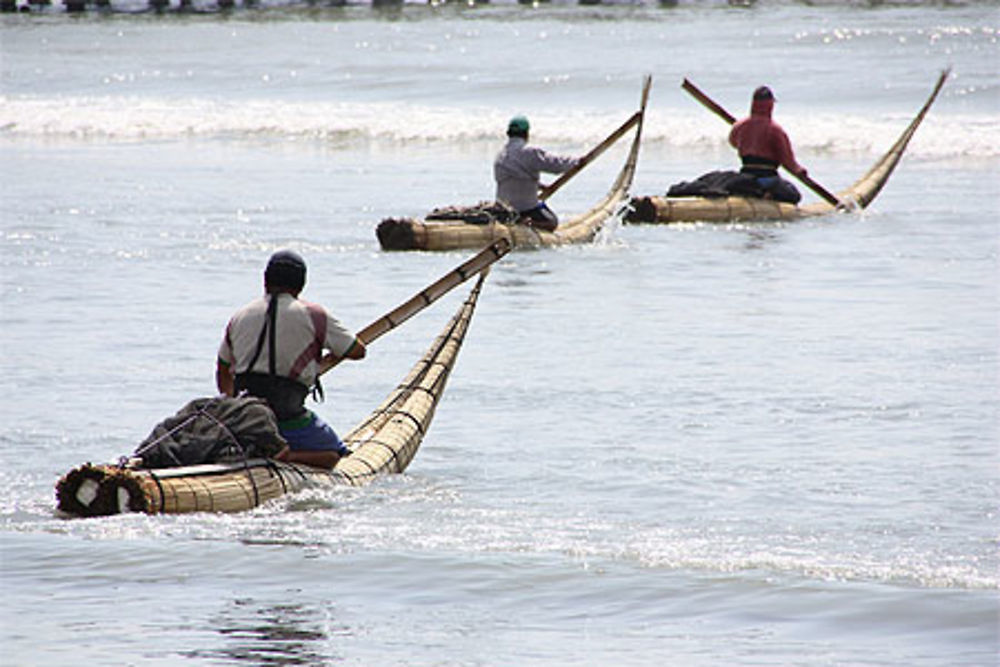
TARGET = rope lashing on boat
x,y
372,470
407,390
159,487
416,422
142,450
273,467
415,385
452,335
372,441
243,450
201,412
429,392
298,471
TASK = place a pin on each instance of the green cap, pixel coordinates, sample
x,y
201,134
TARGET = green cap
x,y
518,125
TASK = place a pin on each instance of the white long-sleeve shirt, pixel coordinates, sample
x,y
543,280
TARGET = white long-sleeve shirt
x,y
517,168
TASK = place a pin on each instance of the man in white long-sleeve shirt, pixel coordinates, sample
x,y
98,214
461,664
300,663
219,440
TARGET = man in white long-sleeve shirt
x,y
517,168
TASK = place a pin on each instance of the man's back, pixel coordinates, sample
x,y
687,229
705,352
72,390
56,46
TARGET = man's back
x,y
517,168
298,324
758,136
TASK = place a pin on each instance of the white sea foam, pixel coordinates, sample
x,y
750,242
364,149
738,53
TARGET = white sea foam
x,y
134,118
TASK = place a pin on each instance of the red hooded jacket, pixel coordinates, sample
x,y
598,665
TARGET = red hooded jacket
x,y
760,137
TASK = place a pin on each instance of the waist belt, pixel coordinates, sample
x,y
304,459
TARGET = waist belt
x,y
285,396
758,166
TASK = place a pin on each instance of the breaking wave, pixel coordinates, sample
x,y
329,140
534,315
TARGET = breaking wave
x,y
117,118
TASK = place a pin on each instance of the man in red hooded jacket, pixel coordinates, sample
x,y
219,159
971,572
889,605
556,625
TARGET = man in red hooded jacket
x,y
763,146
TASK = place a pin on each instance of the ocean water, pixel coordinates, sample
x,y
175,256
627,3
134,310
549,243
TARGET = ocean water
x,y
756,444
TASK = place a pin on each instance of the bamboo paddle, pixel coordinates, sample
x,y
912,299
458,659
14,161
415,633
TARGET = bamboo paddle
x,y
477,264
548,190
729,118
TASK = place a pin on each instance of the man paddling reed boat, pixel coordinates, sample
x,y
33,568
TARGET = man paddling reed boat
x,y
287,367
217,454
306,330
517,169
763,146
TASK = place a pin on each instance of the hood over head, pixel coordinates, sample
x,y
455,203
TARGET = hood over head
x,y
763,102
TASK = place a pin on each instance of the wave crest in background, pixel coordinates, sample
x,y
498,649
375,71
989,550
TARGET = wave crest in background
x,y
116,118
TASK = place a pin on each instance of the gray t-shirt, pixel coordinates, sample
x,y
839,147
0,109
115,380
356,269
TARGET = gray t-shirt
x,y
297,352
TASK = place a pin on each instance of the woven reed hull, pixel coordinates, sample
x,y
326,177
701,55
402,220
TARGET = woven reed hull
x,y
413,234
665,210
384,443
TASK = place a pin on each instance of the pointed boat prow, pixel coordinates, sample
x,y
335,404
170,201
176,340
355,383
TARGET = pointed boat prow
x,y
450,234
659,209
384,443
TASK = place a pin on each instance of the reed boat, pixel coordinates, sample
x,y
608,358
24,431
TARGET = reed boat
x,y
662,209
441,234
383,443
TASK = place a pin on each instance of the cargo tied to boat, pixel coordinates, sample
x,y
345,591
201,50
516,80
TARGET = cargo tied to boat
x,y
672,209
384,443
436,232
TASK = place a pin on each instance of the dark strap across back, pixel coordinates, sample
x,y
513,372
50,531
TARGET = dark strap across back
x,y
286,396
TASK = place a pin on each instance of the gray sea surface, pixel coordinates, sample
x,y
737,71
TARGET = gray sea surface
x,y
747,444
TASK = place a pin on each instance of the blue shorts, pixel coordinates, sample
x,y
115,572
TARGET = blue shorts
x,y
779,188
542,217
311,434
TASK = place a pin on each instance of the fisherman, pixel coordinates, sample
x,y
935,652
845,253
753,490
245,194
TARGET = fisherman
x,y
516,170
763,146
272,348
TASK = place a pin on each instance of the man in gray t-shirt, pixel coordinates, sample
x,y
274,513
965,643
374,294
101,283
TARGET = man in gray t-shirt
x,y
517,168
272,349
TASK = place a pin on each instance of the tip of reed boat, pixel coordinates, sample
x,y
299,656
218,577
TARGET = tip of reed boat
x,y
89,491
641,209
78,493
396,234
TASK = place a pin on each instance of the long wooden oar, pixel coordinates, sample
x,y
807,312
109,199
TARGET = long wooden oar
x,y
548,190
425,297
634,119
729,118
